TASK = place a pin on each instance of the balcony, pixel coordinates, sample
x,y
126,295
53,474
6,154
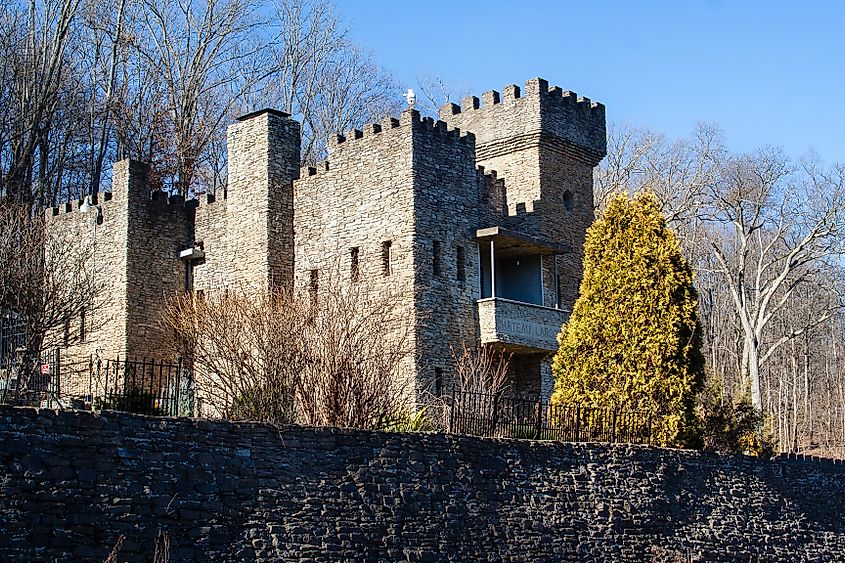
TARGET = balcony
x,y
519,306
521,327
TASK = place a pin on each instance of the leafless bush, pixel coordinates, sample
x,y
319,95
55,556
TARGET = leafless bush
x,y
246,351
359,346
48,280
481,369
336,359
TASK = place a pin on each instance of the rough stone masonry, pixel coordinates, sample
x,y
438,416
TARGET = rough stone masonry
x,y
475,221
72,483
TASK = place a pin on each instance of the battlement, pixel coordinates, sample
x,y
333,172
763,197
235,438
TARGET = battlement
x,y
372,132
159,200
408,118
538,108
534,88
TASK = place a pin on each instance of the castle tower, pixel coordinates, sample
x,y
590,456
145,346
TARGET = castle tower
x,y
543,143
132,237
246,233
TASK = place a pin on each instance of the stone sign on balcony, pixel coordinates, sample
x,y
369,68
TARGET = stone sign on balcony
x,y
521,326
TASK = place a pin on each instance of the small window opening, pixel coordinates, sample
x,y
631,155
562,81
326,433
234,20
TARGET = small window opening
x,y
354,264
314,286
438,382
385,257
568,200
462,264
437,258
67,332
82,332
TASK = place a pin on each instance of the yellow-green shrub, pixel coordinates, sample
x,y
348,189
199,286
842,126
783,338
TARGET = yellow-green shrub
x,y
633,339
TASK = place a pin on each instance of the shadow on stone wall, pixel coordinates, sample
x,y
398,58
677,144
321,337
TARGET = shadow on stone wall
x,y
71,483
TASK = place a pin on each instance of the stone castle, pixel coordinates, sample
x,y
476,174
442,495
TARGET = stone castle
x,y
479,216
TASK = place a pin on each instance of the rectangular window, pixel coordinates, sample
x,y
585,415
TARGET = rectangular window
x,y
354,268
437,256
385,257
438,382
314,286
82,333
462,264
67,332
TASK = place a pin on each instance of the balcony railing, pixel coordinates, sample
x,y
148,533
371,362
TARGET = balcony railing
x,y
522,326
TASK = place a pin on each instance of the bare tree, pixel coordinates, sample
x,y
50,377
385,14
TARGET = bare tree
x,y
204,57
433,91
678,172
36,39
778,229
321,78
337,358
48,281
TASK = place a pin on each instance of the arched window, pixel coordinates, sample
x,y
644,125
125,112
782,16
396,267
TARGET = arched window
x,y
568,200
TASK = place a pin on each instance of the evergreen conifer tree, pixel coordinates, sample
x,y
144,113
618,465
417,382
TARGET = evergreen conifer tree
x,y
633,340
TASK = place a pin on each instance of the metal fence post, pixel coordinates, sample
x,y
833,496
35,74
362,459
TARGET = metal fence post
x,y
613,426
495,414
177,393
452,412
578,423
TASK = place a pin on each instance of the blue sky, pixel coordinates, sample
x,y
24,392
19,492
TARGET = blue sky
x,y
769,73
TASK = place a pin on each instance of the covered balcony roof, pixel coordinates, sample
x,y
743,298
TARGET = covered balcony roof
x,y
510,243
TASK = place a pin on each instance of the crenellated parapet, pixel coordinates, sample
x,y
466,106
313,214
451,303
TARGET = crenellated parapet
x,y
519,117
130,187
421,131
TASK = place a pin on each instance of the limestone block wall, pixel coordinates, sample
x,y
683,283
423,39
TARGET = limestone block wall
x,y
72,483
450,195
101,235
354,221
159,227
133,237
247,230
544,143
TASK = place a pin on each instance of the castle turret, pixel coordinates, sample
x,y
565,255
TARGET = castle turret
x,y
246,232
544,143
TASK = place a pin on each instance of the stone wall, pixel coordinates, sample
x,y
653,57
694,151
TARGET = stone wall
x,y
543,142
411,182
246,231
72,483
132,237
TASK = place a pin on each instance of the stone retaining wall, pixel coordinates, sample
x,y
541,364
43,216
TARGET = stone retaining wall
x,y
72,483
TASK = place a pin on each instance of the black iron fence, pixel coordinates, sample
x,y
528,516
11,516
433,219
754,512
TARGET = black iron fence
x,y
12,337
144,386
497,415
29,381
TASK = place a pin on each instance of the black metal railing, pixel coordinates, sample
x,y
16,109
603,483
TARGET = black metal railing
x,y
498,415
28,381
12,337
151,387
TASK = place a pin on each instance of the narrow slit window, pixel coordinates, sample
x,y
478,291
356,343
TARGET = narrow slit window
x,y
462,264
386,258
437,257
438,382
354,264
82,332
67,332
314,286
